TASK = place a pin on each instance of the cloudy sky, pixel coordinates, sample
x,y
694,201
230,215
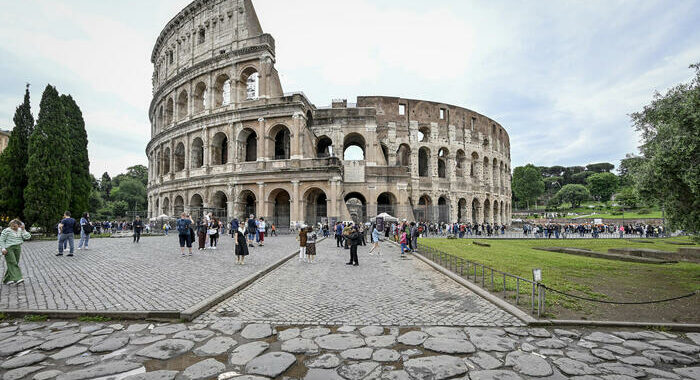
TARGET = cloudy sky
x,y
560,76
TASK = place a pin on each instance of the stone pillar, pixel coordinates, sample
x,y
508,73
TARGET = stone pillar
x,y
262,140
298,128
295,214
205,147
188,155
172,156
210,93
454,205
261,207
372,202
451,167
333,196
371,144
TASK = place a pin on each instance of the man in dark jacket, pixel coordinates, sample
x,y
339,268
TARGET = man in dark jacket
x,y
354,239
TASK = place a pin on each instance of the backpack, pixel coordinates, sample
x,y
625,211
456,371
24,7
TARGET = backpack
x,y
182,227
87,228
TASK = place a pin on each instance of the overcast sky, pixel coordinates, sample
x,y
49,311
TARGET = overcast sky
x,y
560,76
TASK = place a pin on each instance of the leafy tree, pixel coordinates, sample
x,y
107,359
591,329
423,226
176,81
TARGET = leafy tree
x,y
527,183
79,161
603,167
670,174
106,185
138,172
96,202
574,194
571,171
119,208
602,185
629,167
47,194
13,162
628,197
132,192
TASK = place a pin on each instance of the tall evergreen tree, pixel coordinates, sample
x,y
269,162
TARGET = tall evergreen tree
x,y
79,161
106,185
13,162
48,189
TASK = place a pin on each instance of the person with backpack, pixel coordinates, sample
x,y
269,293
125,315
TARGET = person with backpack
x,y
355,240
183,230
202,230
252,228
85,231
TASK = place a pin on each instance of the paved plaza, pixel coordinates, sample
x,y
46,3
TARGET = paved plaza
x,y
385,290
118,275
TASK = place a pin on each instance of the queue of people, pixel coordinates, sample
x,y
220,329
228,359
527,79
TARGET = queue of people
x,y
561,230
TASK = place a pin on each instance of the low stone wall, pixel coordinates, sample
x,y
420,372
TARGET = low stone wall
x,y
683,254
602,255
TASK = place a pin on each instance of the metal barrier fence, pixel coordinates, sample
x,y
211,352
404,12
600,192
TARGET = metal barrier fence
x,y
533,236
510,285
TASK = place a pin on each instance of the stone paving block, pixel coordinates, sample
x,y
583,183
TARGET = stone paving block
x,y
435,367
100,370
215,346
528,364
271,364
21,373
166,349
494,375
155,375
23,361
206,369
300,346
357,371
449,346
325,361
245,353
18,343
357,353
47,375
257,331
319,374
340,342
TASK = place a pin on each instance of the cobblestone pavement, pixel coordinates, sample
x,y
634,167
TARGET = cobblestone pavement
x,y
117,275
228,349
384,290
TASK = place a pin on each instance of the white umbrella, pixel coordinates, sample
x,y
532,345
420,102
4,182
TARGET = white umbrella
x,y
163,217
387,217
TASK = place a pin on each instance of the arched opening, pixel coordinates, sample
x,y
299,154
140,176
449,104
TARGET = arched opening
x,y
182,105
324,147
461,161
166,206
169,112
281,208
501,175
386,203
251,78
219,152
199,98
179,206
159,163
159,119
222,91
443,210
403,155
166,161
494,176
247,203
385,154
485,169
196,207
442,162
282,142
504,219
197,153
423,134
316,206
219,202
423,212
424,162
487,211
476,205
157,208
179,157
247,145
354,147
357,207
461,210
496,214
474,165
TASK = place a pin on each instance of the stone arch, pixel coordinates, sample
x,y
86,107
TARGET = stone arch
x,y
159,118
324,147
460,163
179,157
182,105
462,210
250,80
443,209
219,151
386,202
247,202
166,206
281,205
222,90
247,145
178,206
496,215
166,161
358,153
197,153
403,155
199,98
424,211
494,173
487,211
356,203
316,202
474,169
476,206
196,206
424,162
219,203
423,134
443,154
280,142
169,111
485,171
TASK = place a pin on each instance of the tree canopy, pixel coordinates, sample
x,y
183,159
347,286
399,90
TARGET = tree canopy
x,y
602,185
527,183
574,194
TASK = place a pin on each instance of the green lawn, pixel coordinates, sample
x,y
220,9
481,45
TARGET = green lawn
x,y
627,215
591,277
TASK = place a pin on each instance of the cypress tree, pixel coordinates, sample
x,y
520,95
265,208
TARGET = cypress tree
x,y
47,194
79,161
13,162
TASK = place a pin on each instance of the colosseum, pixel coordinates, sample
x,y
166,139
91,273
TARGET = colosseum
x,y
226,138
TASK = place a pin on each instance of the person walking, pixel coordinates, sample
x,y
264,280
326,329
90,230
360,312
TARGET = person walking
x,y
303,237
414,237
375,241
240,246
311,245
338,235
252,230
261,232
67,234
11,241
355,239
166,228
137,226
402,242
183,231
213,233
202,230
273,230
85,230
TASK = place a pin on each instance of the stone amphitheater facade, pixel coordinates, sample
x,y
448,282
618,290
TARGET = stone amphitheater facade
x,y
227,139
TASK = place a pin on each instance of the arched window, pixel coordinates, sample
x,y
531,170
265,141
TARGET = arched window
x,y
461,160
354,147
166,161
247,145
180,157
252,86
442,162
222,91
424,134
169,112
199,98
282,142
219,202
324,147
424,162
403,155
159,120
474,165
182,105
386,203
196,206
197,153
179,206
166,206
220,149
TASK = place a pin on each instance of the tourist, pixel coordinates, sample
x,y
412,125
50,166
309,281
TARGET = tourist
x,y
302,238
414,237
252,230
355,240
375,241
402,241
240,247
202,229
67,229
213,232
273,230
234,227
338,235
137,226
85,230
11,241
311,245
183,230
166,228
261,232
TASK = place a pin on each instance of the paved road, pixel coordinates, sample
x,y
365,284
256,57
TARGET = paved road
x,y
141,351
117,275
382,290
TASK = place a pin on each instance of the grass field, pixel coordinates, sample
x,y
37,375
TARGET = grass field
x,y
591,277
627,215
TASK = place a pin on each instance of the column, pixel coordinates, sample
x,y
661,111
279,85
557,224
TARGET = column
x,y
205,147
210,93
262,140
295,214
172,157
260,199
188,154
372,202
371,145
298,127
333,196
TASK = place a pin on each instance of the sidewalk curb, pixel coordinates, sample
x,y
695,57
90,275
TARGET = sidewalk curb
x,y
199,308
116,315
683,327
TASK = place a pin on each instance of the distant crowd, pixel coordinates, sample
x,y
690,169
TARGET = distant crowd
x,y
557,230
